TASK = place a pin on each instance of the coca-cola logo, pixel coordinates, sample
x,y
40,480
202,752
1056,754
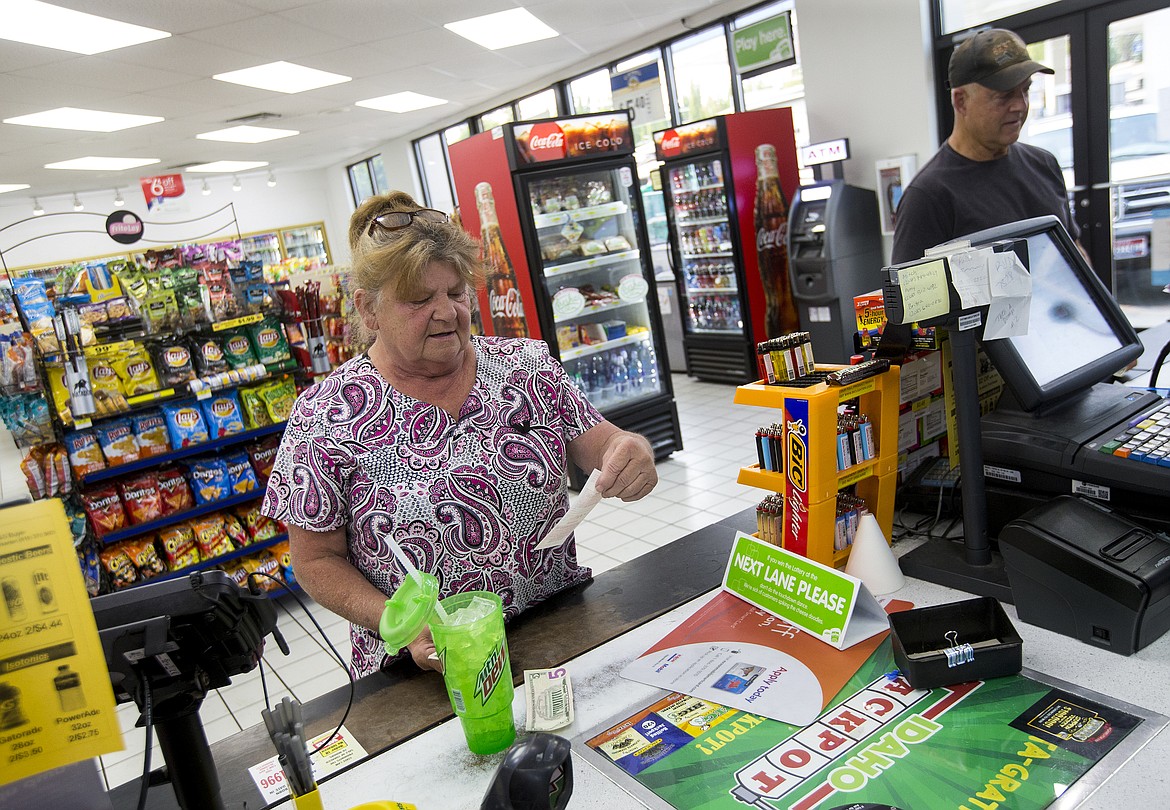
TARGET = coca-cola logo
x,y
671,142
507,305
768,239
546,141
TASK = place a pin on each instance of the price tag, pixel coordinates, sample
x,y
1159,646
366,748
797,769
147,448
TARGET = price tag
x,y
82,424
243,320
106,349
151,397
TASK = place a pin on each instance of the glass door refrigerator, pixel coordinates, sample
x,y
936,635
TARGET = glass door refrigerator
x,y
727,248
306,242
557,208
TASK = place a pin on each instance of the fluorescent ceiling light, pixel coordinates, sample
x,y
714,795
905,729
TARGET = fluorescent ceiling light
x,y
7,187
102,164
401,102
282,77
228,166
49,26
246,134
88,120
502,29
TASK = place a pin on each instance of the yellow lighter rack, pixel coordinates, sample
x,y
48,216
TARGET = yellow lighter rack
x,y
810,481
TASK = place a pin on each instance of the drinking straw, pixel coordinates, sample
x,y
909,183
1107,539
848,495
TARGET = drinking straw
x,y
413,572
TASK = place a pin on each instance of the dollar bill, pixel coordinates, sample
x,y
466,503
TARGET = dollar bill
x,y
548,694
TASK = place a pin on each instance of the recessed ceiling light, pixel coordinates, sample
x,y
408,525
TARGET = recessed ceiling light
x,y
102,164
228,166
89,120
119,201
7,187
236,184
282,77
38,209
77,204
502,29
36,23
271,179
246,134
401,102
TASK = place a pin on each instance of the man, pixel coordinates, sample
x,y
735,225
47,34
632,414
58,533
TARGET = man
x,y
981,177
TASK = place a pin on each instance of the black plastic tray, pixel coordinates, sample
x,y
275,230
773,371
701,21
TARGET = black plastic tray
x,y
920,636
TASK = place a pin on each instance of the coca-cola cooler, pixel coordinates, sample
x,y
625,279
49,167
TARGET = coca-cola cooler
x,y
567,217
728,249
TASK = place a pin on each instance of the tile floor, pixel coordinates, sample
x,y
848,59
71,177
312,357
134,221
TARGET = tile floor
x,y
696,488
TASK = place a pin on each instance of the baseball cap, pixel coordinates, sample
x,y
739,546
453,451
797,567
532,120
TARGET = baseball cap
x,y
995,58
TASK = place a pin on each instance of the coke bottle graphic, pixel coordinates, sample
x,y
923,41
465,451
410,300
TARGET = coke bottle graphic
x,y
771,212
507,310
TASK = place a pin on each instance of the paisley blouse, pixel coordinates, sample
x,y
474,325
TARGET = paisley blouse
x,y
466,498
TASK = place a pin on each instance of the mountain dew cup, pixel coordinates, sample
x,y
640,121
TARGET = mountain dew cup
x,y
474,651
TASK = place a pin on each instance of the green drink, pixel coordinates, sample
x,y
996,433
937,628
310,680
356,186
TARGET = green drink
x,y
474,651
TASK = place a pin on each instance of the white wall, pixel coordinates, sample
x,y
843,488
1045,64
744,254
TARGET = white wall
x,y
297,199
868,77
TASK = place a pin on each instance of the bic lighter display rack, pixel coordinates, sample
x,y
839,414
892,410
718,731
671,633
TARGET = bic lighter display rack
x,y
810,480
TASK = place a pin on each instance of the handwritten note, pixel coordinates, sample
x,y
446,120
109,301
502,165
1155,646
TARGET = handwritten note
x,y
925,291
970,277
1011,297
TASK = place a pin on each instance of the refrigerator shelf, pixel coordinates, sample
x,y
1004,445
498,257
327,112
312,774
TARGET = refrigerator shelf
x,y
712,290
698,330
602,308
692,188
588,264
723,255
594,348
684,223
610,209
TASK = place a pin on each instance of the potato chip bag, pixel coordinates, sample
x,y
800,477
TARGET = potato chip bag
x,y
263,456
283,554
173,363
238,350
117,440
235,530
85,454
208,354
150,431
103,377
255,413
136,371
265,569
258,525
119,564
221,413
178,546
185,423
269,342
141,498
176,494
144,556
211,536
279,397
241,476
209,480
104,508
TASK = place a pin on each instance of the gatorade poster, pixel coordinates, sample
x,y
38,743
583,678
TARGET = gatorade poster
x,y
1015,741
56,702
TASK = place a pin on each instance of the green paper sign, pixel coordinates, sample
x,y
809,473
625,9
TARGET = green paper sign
x,y
764,43
831,605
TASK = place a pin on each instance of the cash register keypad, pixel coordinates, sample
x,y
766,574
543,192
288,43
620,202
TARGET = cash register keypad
x,y
1146,438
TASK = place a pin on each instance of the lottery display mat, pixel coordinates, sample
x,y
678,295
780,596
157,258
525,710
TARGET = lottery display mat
x,y
1024,741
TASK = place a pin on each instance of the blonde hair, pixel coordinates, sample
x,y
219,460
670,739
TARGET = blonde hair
x,y
395,261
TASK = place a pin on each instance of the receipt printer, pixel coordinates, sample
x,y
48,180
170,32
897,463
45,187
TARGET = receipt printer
x,y
1078,569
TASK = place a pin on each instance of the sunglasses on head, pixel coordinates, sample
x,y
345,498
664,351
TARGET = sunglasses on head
x,y
397,220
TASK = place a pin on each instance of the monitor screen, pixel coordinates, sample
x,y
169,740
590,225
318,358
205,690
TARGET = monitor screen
x,y
1077,334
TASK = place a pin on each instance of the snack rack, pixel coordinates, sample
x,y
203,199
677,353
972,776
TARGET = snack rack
x,y
810,481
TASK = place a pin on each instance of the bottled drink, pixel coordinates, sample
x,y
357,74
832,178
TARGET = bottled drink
x,y
771,212
507,310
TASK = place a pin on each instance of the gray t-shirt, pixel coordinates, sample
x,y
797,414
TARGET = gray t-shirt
x,y
953,196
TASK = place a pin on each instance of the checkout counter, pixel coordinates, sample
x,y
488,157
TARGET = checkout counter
x,y
417,753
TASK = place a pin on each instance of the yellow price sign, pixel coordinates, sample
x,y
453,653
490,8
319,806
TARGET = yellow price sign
x,y
56,702
243,320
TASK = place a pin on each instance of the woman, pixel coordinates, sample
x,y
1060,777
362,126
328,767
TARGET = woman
x,y
455,446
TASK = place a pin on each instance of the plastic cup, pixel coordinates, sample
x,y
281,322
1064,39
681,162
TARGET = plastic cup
x,y
476,669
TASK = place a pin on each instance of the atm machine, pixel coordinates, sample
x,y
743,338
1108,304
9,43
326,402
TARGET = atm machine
x,y
834,253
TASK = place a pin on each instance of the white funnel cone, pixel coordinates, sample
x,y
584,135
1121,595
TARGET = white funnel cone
x,y
872,560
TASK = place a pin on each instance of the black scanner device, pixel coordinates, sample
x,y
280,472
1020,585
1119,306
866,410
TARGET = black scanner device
x,y
1081,570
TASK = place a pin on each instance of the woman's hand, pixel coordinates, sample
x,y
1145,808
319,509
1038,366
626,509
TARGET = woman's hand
x,y
627,467
422,650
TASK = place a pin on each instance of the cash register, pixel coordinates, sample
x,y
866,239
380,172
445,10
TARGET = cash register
x,y
1062,434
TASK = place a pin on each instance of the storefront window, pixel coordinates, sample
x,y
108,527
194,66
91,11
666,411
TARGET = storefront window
x,y
538,105
367,178
432,160
500,115
958,15
591,93
457,133
702,75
